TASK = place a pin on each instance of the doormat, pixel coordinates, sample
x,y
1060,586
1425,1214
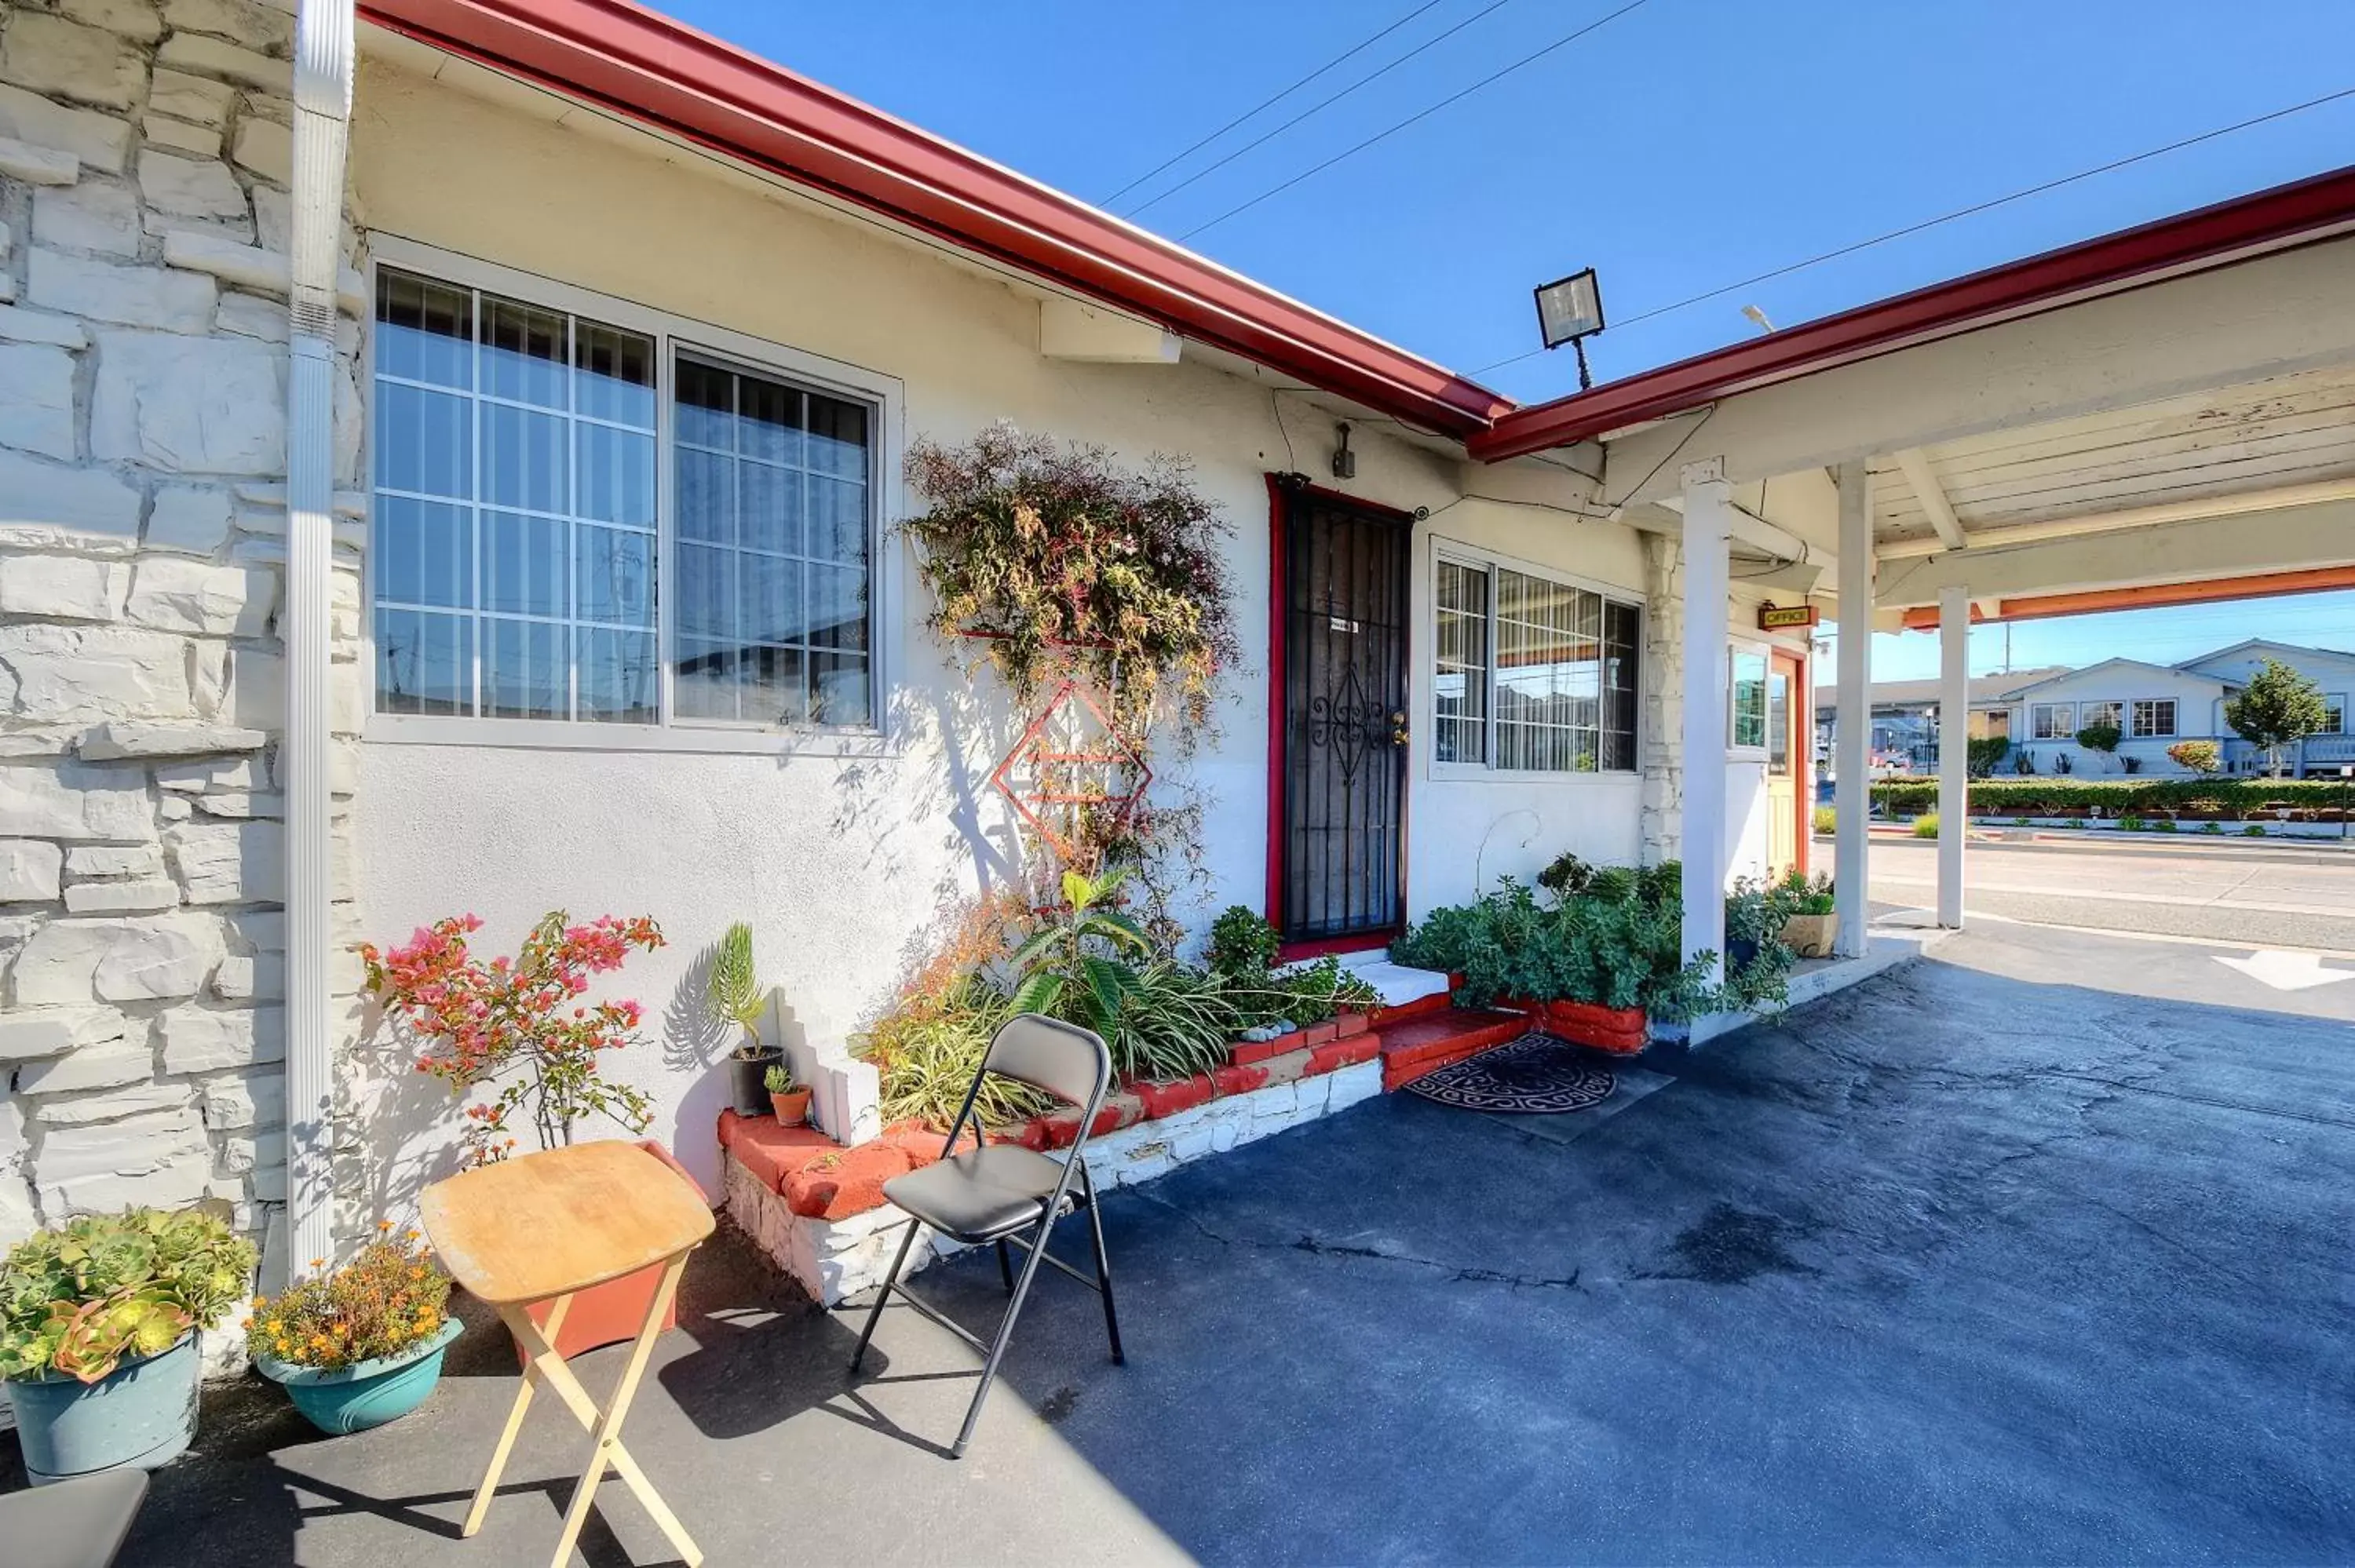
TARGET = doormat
x,y
1535,1075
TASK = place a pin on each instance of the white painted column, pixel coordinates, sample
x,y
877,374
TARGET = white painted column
x,y
1954,748
1852,745
1708,533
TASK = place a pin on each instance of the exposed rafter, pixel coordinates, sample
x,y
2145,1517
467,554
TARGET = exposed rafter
x,y
1915,464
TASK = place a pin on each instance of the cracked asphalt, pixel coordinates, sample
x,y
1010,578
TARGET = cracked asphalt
x,y
1992,1259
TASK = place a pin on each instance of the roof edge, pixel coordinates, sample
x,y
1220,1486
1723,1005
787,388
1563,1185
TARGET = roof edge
x,y
653,68
2276,219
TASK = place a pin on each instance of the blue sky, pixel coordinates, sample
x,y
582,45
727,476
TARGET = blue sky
x,y
1681,147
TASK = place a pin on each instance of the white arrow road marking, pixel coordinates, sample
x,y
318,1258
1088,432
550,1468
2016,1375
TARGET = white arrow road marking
x,y
2285,971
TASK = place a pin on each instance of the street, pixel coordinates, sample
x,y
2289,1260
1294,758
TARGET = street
x,y
2274,895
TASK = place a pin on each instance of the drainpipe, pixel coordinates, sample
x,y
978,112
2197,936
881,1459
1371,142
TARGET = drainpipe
x,y
323,105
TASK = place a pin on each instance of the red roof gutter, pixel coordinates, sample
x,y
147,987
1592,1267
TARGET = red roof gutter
x,y
2211,235
648,67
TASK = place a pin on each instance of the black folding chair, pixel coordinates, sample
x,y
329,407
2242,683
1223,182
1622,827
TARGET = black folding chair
x,y
1004,1192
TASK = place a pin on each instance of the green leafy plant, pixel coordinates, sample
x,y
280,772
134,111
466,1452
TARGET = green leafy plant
x,y
779,1080
735,987
77,1299
927,1050
2211,826
1565,876
2047,796
2253,831
2101,738
1826,821
1985,754
390,1298
2130,824
2278,708
1798,894
1242,942
1173,1023
1926,826
1068,968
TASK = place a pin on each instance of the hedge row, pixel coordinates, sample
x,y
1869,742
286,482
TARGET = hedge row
x,y
2232,797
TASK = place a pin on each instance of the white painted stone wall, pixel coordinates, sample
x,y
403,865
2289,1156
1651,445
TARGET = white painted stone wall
x,y
837,1259
144,156
1664,656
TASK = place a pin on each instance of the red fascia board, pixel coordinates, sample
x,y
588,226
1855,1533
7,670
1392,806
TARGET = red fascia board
x,y
646,67
2266,220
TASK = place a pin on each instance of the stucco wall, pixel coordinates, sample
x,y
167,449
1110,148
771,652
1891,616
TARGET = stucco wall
x,y
839,863
2199,714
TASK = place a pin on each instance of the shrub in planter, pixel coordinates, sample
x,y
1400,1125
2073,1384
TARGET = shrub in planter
x,y
99,1321
362,1345
1809,915
1242,942
734,987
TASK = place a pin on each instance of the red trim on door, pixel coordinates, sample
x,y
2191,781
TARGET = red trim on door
x,y
1273,911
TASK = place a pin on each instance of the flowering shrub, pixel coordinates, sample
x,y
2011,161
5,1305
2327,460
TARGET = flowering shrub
x,y
1064,562
520,1020
388,1300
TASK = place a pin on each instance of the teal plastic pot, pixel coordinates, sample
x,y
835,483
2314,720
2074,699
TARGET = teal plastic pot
x,y
142,1415
366,1393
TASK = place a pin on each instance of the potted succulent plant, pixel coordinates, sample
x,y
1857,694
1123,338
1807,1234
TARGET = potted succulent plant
x,y
737,995
519,1026
98,1320
788,1099
362,1345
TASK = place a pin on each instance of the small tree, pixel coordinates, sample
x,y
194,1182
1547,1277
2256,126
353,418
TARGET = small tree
x,y
1986,753
2199,756
2279,707
2101,737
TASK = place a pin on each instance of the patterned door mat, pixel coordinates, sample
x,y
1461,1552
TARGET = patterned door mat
x,y
1535,1075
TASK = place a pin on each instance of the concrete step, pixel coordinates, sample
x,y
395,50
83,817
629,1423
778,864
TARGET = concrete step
x,y
1433,1040
1400,985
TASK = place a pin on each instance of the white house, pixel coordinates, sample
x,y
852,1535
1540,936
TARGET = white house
x,y
362,562
2155,706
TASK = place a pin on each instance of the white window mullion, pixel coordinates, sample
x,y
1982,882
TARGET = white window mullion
x,y
666,529
482,626
572,523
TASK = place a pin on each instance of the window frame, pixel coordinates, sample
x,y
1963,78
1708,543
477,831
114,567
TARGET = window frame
x,y
1463,553
2061,737
673,336
1736,649
2335,703
2132,728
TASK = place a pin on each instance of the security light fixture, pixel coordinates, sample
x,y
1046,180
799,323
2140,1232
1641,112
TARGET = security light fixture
x,y
1345,461
1569,310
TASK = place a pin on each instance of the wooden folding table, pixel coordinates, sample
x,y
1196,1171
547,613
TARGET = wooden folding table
x,y
540,1228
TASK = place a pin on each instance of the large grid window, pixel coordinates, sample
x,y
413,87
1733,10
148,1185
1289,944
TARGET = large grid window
x,y
1532,674
2094,715
1746,715
2154,718
2333,717
2051,721
520,531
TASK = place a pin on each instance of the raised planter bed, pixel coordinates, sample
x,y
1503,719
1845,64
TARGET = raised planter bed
x,y
1624,1030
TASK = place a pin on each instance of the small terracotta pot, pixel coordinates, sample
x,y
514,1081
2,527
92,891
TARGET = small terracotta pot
x,y
792,1106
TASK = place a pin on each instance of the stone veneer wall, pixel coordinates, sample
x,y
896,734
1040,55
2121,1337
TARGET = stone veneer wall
x,y
1663,680
145,153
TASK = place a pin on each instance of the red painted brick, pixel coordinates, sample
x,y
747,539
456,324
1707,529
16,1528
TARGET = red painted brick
x,y
1350,1024
1167,1099
1062,1127
1247,1051
1317,1034
1342,1053
1238,1080
771,1153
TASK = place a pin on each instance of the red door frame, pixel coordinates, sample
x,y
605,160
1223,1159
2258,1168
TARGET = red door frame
x,y
1279,487
1800,716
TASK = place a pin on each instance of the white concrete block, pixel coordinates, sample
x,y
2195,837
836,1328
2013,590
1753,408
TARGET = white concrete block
x,y
37,166
67,800
131,18
68,672
28,870
110,1105
114,859
128,295
29,1033
226,863
124,959
211,1039
63,588
191,404
190,98
200,56
37,400
102,1066
60,58
101,141
145,895
19,325
188,518
189,187
119,739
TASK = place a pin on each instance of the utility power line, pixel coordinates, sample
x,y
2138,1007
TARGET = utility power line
x,y
1530,58
1971,211
1318,107
1268,101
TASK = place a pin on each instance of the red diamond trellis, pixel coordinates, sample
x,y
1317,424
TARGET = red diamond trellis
x,y
1070,759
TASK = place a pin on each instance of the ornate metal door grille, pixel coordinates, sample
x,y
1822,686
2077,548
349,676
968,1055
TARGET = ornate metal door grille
x,y
1345,647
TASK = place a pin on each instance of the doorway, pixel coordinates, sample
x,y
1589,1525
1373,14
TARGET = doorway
x,y
1338,750
1788,809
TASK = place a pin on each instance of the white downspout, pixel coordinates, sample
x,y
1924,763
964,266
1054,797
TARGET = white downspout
x,y
323,105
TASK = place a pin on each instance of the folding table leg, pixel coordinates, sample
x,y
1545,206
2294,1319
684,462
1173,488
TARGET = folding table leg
x,y
531,1380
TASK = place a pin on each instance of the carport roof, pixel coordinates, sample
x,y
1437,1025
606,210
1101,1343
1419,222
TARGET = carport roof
x,y
2268,220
